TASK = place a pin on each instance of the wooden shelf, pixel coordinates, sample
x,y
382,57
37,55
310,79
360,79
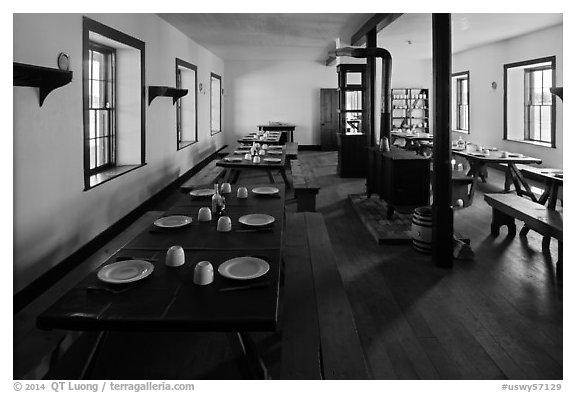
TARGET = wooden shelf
x,y
165,91
44,78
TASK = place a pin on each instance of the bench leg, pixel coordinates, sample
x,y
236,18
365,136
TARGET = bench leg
x,y
306,201
545,243
559,264
499,219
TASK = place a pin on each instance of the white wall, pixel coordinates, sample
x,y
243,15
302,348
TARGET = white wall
x,y
486,64
53,215
257,92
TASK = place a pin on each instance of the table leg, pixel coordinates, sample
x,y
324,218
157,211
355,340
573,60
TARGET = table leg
x,y
285,178
226,177
520,180
236,176
270,176
91,360
245,347
553,195
475,171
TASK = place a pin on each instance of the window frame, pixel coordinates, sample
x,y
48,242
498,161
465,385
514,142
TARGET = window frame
x,y
212,77
527,106
181,144
109,54
92,180
525,65
458,77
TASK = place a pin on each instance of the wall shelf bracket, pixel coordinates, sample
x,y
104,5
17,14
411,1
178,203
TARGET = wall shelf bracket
x,y
44,78
165,91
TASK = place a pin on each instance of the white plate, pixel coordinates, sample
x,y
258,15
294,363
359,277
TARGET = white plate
x,y
243,268
203,192
233,159
275,147
256,220
241,151
265,190
173,221
125,271
275,152
272,160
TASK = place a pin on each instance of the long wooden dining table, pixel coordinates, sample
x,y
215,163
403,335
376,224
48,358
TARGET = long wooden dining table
x,y
168,300
273,160
479,160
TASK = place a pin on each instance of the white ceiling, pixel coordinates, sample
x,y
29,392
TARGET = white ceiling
x,y
267,36
468,31
310,36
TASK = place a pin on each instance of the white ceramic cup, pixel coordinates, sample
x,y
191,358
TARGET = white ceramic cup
x,y
203,273
247,156
242,192
460,167
264,146
204,214
225,188
175,256
256,160
224,224
262,152
504,154
487,152
257,145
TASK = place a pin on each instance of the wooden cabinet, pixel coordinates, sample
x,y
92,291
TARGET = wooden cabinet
x,y
401,178
352,160
410,110
352,138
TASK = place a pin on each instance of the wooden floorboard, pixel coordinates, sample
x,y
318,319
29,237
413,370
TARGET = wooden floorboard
x,y
498,316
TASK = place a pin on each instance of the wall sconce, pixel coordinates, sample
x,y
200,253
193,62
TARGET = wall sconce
x,y
494,85
201,88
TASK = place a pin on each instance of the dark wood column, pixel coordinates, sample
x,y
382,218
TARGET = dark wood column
x,y
442,213
371,42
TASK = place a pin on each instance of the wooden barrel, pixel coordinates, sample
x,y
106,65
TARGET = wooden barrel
x,y
422,229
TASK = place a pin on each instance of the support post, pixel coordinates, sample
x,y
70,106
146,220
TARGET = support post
x,y
442,212
371,42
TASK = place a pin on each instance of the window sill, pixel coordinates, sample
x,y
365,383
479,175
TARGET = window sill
x,y
541,144
103,177
462,131
212,133
184,144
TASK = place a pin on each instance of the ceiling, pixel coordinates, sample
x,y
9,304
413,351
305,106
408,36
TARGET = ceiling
x,y
310,36
267,36
410,36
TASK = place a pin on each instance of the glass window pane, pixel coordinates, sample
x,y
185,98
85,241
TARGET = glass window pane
x,y
102,129
546,124
353,100
353,78
92,124
92,148
353,122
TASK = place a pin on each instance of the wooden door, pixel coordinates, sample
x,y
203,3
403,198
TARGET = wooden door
x,y
328,118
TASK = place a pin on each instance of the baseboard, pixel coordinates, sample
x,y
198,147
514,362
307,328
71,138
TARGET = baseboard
x,y
48,279
309,147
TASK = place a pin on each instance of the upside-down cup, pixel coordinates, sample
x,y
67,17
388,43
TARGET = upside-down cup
x,y
203,273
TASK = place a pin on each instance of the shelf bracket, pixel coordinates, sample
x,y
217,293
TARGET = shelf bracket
x,y
165,91
44,78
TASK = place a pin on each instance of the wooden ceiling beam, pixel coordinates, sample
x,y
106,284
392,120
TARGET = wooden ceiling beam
x,y
378,21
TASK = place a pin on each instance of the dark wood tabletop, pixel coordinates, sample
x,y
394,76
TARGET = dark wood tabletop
x,y
168,300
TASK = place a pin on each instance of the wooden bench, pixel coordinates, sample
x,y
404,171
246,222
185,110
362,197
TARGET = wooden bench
x,y
319,335
210,174
305,186
508,207
462,188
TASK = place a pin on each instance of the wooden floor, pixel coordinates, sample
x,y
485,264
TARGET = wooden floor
x,y
496,317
